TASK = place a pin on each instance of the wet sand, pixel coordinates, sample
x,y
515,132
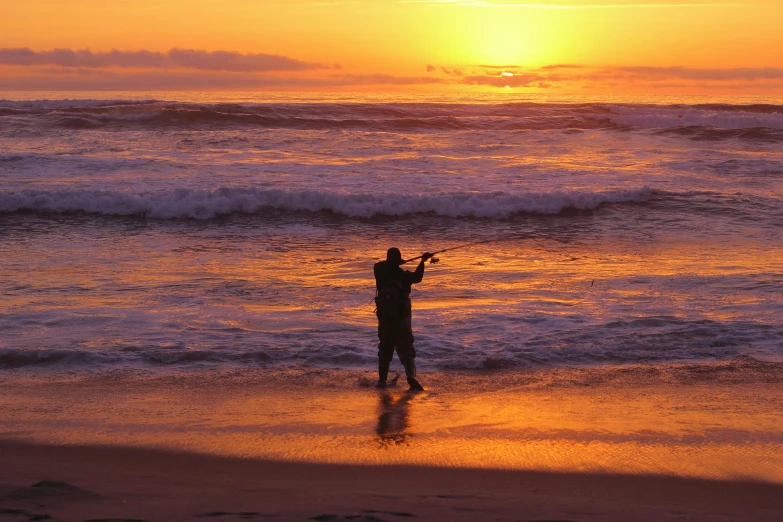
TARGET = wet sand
x,y
686,442
103,483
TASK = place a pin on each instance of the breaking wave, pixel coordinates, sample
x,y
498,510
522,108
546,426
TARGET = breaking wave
x,y
653,117
76,360
764,122
205,204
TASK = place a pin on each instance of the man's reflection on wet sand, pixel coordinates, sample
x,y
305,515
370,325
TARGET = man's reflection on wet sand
x,y
393,417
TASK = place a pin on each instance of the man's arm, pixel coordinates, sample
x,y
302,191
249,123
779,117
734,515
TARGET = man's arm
x,y
378,272
418,275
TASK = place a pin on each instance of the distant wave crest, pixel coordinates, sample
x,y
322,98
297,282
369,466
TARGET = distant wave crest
x,y
765,121
206,204
716,117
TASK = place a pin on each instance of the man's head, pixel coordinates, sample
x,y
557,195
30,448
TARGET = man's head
x,y
394,256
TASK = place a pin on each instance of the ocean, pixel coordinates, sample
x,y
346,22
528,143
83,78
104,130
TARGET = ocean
x,y
181,232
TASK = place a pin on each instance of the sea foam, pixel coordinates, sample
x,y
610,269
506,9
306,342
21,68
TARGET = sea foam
x,y
206,204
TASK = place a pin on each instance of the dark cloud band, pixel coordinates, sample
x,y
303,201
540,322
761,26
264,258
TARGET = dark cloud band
x,y
174,58
569,73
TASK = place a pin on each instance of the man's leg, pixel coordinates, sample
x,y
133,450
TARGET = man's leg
x,y
386,334
410,374
407,353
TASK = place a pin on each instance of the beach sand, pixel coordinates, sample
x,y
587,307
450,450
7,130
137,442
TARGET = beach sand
x,y
592,444
100,483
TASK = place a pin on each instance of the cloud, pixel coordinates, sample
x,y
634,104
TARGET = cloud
x,y
499,66
35,79
564,77
654,73
506,80
582,76
174,58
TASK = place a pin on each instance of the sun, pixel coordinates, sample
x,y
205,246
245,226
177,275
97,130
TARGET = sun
x,y
473,35
509,36
505,46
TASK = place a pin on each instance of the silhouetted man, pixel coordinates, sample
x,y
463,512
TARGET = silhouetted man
x,y
393,288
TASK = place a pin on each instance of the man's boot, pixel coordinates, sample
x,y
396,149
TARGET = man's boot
x,y
383,372
410,373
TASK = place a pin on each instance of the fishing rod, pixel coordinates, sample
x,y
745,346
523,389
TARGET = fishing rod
x,y
466,245
474,243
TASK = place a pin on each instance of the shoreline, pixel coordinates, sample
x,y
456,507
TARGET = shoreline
x,y
148,484
728,370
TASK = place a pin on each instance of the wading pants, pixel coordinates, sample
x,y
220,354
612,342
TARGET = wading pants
x,y
395,335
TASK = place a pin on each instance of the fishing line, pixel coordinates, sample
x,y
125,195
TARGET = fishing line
x,y
509,237
516,235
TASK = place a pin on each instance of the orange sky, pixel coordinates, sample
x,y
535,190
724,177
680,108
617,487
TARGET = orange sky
x,y
660,46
